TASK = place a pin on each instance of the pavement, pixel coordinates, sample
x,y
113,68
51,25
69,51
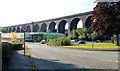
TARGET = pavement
x,y
47,57
19,61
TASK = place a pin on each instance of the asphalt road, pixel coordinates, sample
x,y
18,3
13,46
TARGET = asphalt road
x,y
46,57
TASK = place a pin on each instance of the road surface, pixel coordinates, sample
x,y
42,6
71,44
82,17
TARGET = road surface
x,y
47,57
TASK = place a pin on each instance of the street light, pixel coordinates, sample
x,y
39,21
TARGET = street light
x,y
92,39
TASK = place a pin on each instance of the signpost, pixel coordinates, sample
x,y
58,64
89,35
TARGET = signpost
x,y
24,29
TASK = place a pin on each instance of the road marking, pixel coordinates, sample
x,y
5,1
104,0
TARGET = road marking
x,y
117,61
109,60
79,55
106,60
116,55
102,59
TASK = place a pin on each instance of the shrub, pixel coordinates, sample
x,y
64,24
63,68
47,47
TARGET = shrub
x,y
58,41
7,50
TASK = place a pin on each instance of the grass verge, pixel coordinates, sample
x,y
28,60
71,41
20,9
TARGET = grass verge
x,y
97,46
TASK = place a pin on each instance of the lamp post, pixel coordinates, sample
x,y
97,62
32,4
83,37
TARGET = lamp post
x,y
92,39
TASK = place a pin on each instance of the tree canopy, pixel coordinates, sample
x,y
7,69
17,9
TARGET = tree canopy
x,y
4,30
13,36
83,34
106,17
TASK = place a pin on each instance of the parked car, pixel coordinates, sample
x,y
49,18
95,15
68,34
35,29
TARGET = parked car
x,y
81,42
16,40
43,42
72,41
97,41
28,39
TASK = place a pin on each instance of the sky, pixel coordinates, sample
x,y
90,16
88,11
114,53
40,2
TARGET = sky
x,y
13,12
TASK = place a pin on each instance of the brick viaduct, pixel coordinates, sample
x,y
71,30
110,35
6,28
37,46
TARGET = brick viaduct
x,y
60,22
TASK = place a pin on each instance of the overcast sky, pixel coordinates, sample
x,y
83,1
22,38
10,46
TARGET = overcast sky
x,y
13,12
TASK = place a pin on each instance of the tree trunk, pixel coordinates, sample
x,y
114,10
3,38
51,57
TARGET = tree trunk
x,y
112,39
117,40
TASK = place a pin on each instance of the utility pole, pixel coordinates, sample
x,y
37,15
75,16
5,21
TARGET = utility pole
x,y
92,39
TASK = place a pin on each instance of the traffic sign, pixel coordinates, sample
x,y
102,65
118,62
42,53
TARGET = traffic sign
x,y
24,28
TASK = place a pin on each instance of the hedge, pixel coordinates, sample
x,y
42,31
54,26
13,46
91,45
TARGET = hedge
x,y
58,41
7,50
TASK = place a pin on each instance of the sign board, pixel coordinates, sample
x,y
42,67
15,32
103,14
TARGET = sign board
x,y
8,35
24,28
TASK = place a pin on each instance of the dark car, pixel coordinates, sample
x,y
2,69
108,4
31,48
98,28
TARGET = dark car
x,y
29,40
82,42
97,41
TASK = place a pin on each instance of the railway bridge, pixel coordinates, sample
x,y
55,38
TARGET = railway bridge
x,y
55,25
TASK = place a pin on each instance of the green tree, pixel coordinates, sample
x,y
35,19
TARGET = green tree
x,y
4,30
73,34
82,32
13,36
86,34
49,31
107,18
94,35
39,30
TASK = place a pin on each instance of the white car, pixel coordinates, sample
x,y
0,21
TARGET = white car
x,y
16,40
42,41
72,41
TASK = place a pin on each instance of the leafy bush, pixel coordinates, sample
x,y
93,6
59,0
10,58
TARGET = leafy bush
x,y
84,34
58,42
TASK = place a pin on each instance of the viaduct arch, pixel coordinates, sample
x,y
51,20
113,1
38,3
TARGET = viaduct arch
x,y
60,22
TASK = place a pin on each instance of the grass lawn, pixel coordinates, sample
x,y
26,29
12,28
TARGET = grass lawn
x,y
96,45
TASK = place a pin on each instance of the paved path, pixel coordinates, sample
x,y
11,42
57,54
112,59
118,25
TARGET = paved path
x,y
46,57
19,61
